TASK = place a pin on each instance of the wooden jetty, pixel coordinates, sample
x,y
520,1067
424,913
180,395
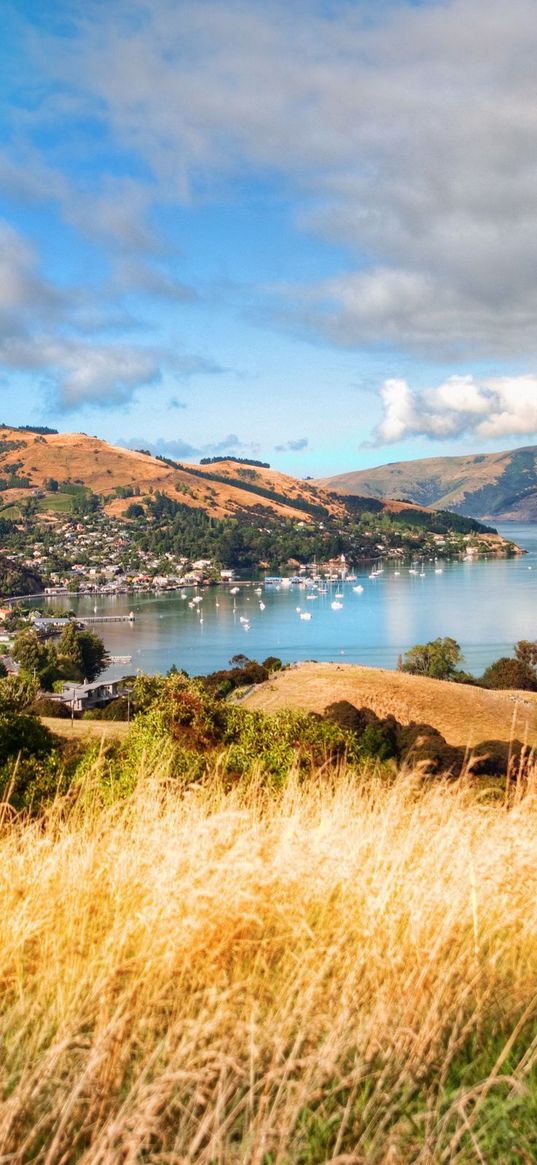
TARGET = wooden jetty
x,y
130,618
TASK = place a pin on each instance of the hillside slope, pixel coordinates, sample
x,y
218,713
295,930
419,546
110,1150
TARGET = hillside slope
x,y
226,488
464,715
492,487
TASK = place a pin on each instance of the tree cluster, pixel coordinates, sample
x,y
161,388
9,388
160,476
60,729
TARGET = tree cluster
x,y
77,656
440,659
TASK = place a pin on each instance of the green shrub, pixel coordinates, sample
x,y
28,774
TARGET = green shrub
x,y
44,706
23,734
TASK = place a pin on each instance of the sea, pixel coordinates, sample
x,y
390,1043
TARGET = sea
x,y
485,605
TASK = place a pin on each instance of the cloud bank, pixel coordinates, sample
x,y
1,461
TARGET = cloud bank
x,y
488,410
408,133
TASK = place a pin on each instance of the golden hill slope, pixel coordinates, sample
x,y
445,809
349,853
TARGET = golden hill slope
x,y
464,715
103,468
492,486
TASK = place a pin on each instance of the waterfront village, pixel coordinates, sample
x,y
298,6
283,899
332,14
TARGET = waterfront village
x,y
95,554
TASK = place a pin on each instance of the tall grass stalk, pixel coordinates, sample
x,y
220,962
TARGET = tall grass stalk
x,y
341,971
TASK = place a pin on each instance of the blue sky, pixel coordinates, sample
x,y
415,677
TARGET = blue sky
x,y
301,231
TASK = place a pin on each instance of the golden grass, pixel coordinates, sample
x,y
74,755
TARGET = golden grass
x,y
87,729
212,977
102,467
464,715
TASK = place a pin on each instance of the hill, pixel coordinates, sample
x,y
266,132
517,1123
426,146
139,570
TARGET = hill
x,y
78,509
464,715
30,460
491,487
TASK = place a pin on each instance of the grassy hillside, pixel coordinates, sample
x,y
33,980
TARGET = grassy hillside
x,y
139,515
270,976
495,486
464,715
226,488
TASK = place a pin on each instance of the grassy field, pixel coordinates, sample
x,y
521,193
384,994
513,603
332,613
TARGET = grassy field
x,y
342,972
87,729
58,503
464,715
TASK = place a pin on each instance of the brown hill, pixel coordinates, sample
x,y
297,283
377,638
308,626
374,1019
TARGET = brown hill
x,y
103,468
492,487
464,715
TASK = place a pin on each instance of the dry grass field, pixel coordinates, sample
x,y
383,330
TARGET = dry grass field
x,y
464,715
339,973
87,729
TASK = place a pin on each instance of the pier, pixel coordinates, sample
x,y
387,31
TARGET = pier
x,y
130,618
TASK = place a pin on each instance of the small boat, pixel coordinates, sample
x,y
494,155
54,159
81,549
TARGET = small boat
x,y
234,590
336,606
262,606
338,595
305,615
359,590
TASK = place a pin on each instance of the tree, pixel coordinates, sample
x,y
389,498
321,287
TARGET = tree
x,y
526,652
81,654
17,693
35,658
437,659
510,673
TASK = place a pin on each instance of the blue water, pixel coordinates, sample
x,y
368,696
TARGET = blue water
x,y
485,606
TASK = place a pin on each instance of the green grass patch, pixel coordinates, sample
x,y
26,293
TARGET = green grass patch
x,y
59,503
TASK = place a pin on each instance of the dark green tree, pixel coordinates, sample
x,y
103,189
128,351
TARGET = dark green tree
x,y
35,658
81,654
438,659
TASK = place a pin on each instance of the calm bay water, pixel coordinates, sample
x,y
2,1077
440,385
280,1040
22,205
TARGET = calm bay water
x,y
485,606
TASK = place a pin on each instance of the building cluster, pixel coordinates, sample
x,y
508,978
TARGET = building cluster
x,y
94,555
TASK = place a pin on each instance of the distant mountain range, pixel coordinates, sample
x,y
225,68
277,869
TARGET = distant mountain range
x,y
493,487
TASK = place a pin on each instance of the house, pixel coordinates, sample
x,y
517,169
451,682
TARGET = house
x,y
81,697
11,667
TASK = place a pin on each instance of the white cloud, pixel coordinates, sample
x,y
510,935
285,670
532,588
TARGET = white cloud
x,y
462,406
409,133
44,332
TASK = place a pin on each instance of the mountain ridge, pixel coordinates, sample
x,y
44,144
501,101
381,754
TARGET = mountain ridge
x,y
493,487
